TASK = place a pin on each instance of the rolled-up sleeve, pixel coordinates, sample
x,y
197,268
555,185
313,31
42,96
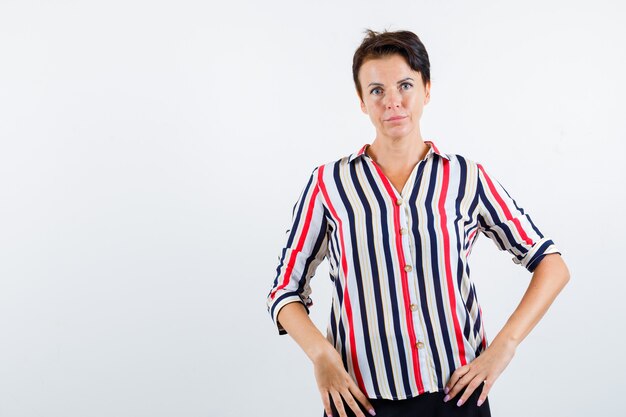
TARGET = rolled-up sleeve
x,y
305,248
508,225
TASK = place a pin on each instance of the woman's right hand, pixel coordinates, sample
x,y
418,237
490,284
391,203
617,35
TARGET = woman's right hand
x,y
333,379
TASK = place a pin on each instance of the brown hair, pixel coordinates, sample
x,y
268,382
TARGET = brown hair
x,y
381,44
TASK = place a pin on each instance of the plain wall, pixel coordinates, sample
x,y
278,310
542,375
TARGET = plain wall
x,y
151,153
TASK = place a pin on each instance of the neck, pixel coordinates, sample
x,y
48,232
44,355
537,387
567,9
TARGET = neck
x,y
397,153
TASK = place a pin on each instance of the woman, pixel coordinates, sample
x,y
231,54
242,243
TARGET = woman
x,y
397,220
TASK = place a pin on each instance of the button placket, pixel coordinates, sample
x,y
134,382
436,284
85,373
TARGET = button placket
x,y
420,343
426,360
407,247
407,243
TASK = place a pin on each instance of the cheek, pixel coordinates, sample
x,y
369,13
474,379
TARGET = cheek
x,y
377,111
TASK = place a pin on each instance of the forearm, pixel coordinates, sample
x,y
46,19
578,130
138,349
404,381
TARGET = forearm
x,y
549,278
298,324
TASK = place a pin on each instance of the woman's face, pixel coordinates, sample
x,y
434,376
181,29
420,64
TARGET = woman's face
x,y
393,96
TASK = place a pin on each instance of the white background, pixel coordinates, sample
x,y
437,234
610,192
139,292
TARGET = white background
x,y
151,153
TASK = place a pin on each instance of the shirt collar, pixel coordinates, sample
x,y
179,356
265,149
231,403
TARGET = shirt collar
x,y
432,149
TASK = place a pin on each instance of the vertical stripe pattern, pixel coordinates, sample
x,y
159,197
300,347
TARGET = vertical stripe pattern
x,y
404,313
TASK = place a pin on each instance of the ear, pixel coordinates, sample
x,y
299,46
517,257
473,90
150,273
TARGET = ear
x,y
362,104
427,93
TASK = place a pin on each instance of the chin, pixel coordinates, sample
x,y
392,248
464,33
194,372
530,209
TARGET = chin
x,y
398,132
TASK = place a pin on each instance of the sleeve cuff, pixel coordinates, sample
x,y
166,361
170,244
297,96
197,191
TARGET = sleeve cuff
x,y
280,303
538,251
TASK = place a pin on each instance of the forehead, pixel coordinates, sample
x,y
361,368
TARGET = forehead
x,y
389,67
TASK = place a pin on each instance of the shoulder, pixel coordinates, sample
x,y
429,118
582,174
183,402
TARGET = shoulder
x,y
463,164
330,168
459,159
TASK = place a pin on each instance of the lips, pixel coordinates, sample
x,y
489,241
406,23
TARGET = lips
x,y
391,119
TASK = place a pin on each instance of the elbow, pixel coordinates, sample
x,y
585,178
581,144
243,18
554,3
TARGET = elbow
x,y
563,271
566,273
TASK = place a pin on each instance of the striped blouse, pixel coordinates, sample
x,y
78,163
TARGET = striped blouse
x,y
404,313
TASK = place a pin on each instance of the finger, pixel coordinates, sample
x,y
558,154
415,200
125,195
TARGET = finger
x,y
485,391
358,394
469,390
458,386
454,378
338,403
347,395
326,402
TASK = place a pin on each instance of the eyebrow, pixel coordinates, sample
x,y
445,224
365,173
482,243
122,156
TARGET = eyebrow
x,y
401,81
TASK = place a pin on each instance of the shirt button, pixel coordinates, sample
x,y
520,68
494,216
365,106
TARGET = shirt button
x,y
408,268
419,345
403,231
413,307
399,201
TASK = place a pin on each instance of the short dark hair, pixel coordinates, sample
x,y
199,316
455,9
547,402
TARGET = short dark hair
x,y
382,44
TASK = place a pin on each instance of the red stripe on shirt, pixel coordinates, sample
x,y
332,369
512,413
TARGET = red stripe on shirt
x,y
505,209
446,252
293,255
404,278
470,242
346,295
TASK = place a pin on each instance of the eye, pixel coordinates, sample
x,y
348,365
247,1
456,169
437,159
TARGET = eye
x,y
375,89
406,83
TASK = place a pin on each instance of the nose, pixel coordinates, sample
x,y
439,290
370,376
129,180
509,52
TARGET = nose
x,y
393,99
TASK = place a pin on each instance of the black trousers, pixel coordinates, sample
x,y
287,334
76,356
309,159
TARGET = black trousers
x,y
428,404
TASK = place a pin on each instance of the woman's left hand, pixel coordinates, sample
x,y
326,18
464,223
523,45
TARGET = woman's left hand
x,y
486,368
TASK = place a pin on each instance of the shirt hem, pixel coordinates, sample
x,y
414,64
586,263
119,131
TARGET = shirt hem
x,y
438,389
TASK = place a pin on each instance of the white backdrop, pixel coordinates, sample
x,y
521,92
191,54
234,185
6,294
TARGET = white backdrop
x,y
151,153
